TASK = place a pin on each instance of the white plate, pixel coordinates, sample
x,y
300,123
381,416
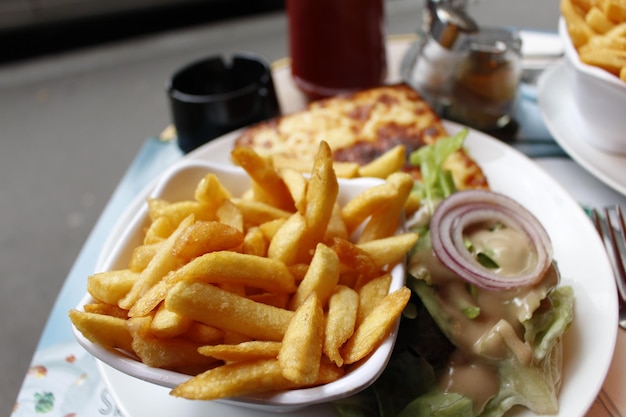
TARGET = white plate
x,y
582,260
562,119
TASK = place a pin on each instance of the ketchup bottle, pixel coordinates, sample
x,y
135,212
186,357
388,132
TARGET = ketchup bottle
x,y
336,46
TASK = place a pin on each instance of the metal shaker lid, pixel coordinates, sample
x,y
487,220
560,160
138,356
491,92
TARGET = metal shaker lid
x,y
450,25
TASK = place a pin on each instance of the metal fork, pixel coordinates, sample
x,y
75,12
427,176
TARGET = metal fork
x,y
610,225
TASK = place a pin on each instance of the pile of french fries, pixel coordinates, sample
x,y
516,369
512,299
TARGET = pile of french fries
x,y
597,29
278,289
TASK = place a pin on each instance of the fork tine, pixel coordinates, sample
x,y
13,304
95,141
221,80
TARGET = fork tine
x,y
618,244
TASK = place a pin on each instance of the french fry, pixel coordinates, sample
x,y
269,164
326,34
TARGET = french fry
x,y
371,294
253,271
256,212
177,211
235,379
614,10
301,350
320,279
211,192
218,308
267,184
297,185
376,326
203,237
579,31
103,330
356,260
111,286
246,351
389,162
141,256
336,226
176,353
229,214
106,309
202,335
167,324
158,231
217,268
598,21
320,199
254,242
390,250
285,245
384,222
357,210
162,263
340,321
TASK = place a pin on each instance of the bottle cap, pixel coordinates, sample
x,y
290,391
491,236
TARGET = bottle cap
x,y
450,25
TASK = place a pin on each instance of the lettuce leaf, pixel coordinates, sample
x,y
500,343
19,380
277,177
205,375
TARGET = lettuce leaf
x,y
436,182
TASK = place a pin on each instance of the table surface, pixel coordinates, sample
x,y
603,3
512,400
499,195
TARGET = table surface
x,y
47,379
145,159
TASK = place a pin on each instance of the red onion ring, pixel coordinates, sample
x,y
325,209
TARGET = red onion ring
x,y
465,208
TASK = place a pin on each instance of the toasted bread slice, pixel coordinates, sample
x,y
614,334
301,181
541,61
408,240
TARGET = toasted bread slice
x,y
359,128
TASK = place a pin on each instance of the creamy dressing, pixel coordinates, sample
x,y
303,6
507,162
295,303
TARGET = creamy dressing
x,y
496,333
475,380
510,248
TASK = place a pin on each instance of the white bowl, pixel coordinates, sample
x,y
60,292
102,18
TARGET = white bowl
x,y
600,98
179,183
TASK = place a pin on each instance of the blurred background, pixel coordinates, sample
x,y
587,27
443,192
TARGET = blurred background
x,y
81,89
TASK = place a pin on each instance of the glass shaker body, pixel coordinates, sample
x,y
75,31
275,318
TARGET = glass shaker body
x,y
486,85
336,46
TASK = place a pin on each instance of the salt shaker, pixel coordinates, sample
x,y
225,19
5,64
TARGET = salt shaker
x,y
441,54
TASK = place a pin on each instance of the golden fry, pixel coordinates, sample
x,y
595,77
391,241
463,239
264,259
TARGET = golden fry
x,y
255,243
390,250
167,324
384,222
301,349
162,263
340,321
229,214
320,279
111,286
176,354
211,192
285,245
267,184
376,326
218,308
203,237
245,351
391,161
102,330
320,198
371,294
357,210
106,309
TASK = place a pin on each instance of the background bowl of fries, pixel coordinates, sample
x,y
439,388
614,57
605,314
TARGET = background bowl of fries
x,y
598,90
168,355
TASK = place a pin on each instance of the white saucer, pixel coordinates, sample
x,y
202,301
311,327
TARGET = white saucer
x,y
562,119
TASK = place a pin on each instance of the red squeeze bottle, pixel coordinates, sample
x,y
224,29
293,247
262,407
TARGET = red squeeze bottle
x,y
336,46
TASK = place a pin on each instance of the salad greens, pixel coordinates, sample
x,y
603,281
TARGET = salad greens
x,y
409,385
